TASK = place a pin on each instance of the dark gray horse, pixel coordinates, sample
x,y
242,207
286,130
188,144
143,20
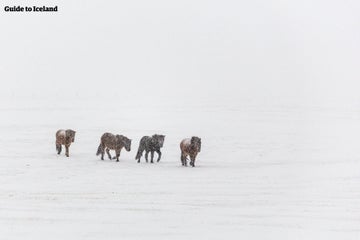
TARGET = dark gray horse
x,y
150,144
109,142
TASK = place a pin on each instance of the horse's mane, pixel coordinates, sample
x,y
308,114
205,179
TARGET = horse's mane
x,y
157,140
70,132
196,142
194,139
122,138
157,136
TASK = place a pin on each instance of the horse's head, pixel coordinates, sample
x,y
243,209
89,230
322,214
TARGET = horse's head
x,y
196,143
124,141
127,143
70,134
159,139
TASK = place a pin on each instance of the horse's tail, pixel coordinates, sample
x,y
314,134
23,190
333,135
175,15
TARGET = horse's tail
x,y
139,152
99,150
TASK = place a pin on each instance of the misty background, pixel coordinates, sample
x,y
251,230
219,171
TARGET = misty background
x,y
271,87
208,52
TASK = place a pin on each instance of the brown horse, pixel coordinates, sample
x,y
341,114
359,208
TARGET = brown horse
x,y
190,147
109,142
64,137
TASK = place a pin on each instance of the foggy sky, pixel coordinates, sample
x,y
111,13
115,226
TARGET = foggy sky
x,y
227,51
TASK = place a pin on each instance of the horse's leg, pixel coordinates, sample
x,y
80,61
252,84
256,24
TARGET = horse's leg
x,y
108,153
58,148
193,157
152,156
183,159
159,153
102,151
117,155
186,159
146,155
67,150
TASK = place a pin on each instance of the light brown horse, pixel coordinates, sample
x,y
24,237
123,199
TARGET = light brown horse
x,y
190,147
64,137
109,142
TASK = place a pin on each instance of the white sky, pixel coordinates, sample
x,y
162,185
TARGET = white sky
x,y
265,51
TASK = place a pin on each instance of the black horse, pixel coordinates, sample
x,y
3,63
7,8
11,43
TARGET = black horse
x,y
150,144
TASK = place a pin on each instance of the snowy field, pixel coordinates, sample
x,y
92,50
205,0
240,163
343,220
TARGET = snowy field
x,y
271,87
265,172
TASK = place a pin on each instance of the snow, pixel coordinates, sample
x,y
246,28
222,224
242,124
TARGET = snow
x,y
275,172
270,87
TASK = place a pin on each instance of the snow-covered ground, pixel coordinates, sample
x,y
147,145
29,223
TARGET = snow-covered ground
x,y
271,87
265,172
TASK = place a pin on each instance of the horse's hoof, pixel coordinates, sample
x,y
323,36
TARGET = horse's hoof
x,y
117,160
138,161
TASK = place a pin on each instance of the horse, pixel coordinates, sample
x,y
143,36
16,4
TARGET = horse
x,y
109,142
150,144
64,137
190,147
